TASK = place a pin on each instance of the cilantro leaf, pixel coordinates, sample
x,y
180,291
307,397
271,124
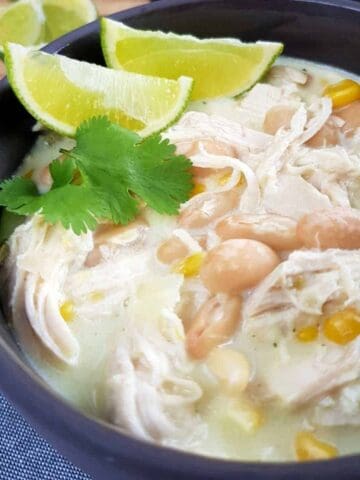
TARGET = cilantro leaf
x,y
20,196
101,139
159,183
122,207
104,178
62,173
62,205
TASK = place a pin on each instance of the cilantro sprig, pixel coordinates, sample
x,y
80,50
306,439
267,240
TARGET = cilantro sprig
x,y
105,177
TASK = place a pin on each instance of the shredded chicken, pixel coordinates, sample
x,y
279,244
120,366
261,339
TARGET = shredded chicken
x,y
197,126
41,257
339,409
260,99
299,381
304,285
152,393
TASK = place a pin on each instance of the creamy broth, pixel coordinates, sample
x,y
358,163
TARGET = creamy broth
x,y
268,429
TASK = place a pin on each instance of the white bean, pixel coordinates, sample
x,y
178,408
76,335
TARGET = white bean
x,y
277,117
208,207
327,136
335,228
235,265
171,250
211,146
277,231
214,324
351,116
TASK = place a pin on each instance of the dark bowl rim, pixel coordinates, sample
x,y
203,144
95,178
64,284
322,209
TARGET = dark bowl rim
x,y
99,434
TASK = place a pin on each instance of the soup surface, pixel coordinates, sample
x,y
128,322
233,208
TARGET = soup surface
x,y
232,329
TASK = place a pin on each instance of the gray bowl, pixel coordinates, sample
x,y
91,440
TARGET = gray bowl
x,y
321,30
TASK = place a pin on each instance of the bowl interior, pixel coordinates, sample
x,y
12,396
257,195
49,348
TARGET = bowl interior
x,y
307,28
322,31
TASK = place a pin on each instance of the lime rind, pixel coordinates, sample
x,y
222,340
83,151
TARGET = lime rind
x,y
111,32
105,41
264,72
15,56
13,78
112,29
187,85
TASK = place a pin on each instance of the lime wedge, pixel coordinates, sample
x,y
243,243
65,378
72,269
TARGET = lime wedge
x,y
22,22
62,16
61,92
34,22
220,67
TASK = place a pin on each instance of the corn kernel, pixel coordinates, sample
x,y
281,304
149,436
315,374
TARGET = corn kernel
x,y
96,297
223,180
307,334
246,416
230,367
343,93
308,447
67,311
198,188
190,266
342,327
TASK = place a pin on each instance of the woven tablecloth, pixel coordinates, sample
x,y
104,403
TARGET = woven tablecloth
x,y
26,456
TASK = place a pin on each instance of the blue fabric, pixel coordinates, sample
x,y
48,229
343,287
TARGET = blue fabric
x,y
26,456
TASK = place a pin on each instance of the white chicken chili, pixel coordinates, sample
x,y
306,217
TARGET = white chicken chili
x,y
230,330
